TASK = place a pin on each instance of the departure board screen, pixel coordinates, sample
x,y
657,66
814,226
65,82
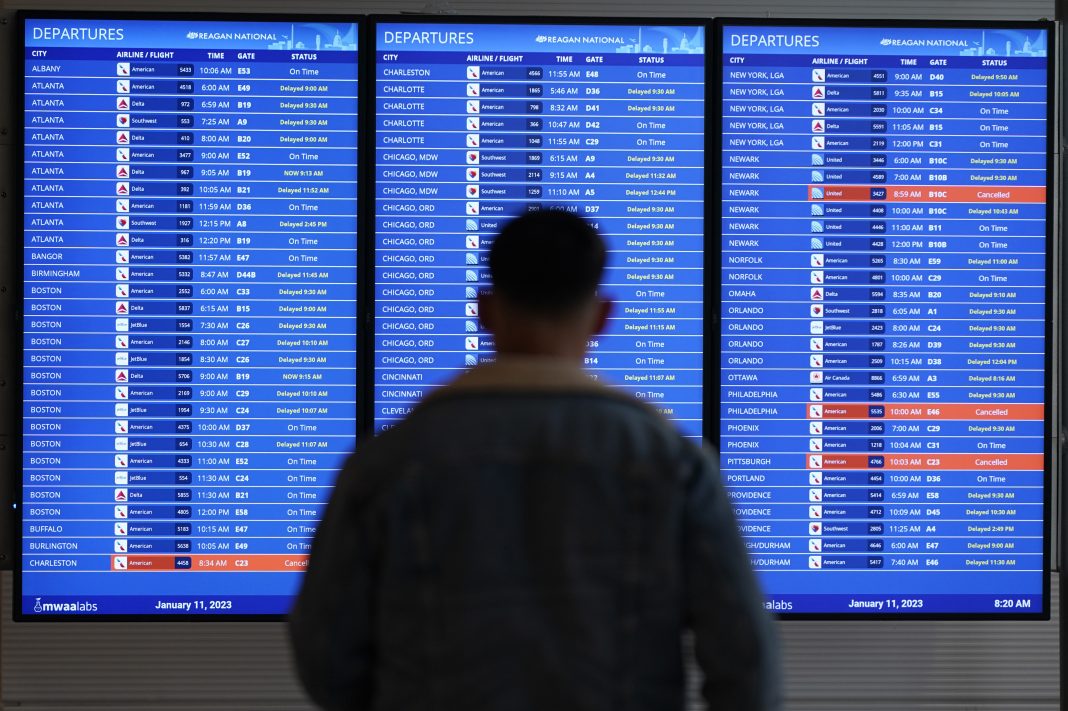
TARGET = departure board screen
x,y
476,123
885,310
189,309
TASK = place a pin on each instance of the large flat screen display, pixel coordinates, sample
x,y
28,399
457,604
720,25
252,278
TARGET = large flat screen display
x,y
189,309
884,376
477,122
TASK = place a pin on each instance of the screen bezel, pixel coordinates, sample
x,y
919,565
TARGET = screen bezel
x,y
720,24
711,351
18,229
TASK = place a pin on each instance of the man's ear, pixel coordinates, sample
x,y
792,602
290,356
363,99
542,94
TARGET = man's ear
x,y
604,310
487,311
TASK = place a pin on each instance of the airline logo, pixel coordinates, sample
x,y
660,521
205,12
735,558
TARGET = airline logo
x,y
816,260
122,358
121,528
471,343
815,545
122,307
815,344
122,189
122,375
122,120
122,324
122,205
816,293
122,273
118,562
472,157
815,495
122,222
815,461
122,256
122,392
815,562
815,395
122,103
472,106
815,428
122,427
815,444
122,460
815,327
122,86
122,291
819,143
815,479
472,208
816,310
815,511
474,73
815,410
472,140
816,276
122,239
472,242
121,495
122,341
471,309
815,377
120,545
473,89
122,69
819,75
121,511
815,528
122,137
818,92
815,361
122,171
122,154
122,409
472,191
819,108
818,126
472,174
473,123
122,444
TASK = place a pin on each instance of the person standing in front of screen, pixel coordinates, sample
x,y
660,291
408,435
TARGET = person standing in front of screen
x,y
529,538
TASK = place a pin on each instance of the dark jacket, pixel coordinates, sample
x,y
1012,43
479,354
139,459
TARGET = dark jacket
x,y
530,540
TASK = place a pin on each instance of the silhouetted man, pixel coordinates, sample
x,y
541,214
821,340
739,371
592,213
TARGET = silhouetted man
x,y
529,539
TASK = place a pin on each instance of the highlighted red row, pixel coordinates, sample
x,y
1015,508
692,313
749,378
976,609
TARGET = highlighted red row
x,y
930,193
926,411
261,562
909,462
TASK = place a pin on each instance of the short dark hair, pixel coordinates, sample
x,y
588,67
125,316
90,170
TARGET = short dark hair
x,y
548,261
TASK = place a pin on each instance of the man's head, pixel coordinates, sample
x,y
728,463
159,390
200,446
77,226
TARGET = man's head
x,y
545,267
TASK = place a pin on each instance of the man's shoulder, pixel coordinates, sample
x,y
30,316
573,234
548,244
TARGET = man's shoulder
x,y
605,421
